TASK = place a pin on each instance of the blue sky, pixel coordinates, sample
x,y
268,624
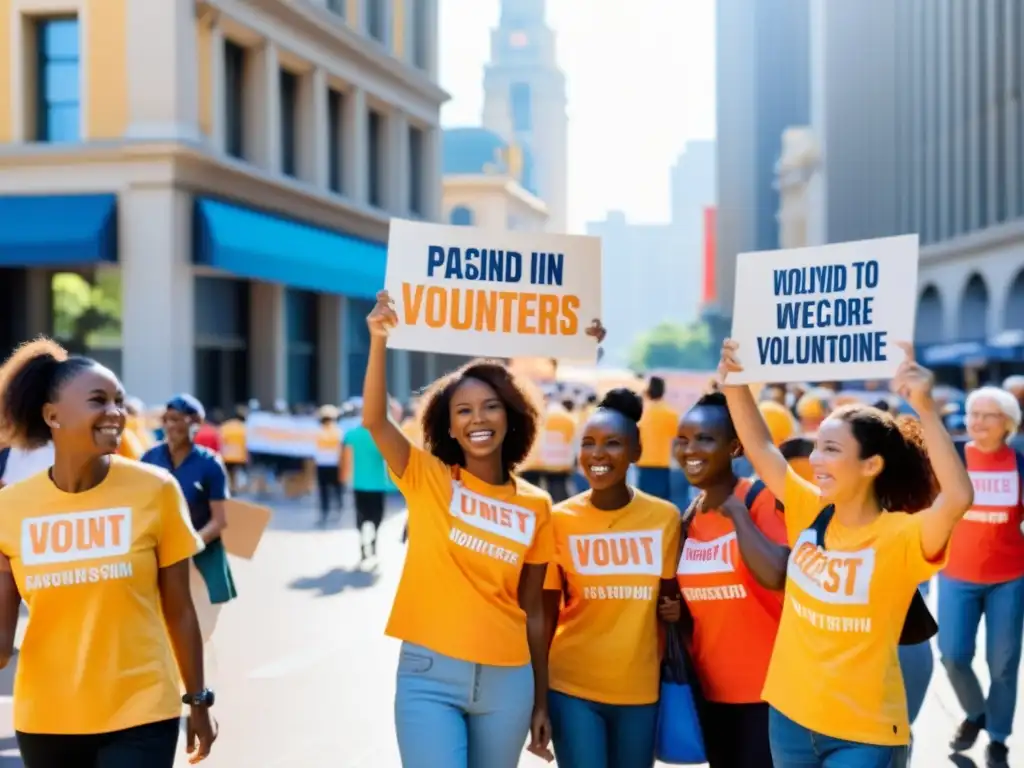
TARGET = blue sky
x,y
641,80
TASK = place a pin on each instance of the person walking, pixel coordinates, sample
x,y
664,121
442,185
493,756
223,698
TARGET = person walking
x,y
98,546
364,467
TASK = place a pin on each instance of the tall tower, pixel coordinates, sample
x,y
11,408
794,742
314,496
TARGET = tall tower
x,y
524,99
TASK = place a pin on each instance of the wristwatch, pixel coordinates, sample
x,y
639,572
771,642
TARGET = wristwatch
x,y
204,698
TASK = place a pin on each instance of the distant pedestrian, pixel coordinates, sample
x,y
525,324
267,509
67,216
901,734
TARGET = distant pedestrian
x,y
363,464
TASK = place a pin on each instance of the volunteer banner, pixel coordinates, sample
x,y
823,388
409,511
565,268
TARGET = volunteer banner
x,y
469,291
830,313
282,434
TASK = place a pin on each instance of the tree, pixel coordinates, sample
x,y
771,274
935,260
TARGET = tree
x,y
669,345
87,314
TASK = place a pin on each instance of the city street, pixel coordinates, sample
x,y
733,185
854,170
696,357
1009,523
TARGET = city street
x,y
305,677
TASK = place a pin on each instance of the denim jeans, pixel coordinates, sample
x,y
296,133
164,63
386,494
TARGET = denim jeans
x,y
794,746
917,663
456,714
657,481
587,734
961,606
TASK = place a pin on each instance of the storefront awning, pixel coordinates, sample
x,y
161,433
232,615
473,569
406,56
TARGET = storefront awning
x,y
57,230
964,353
260,246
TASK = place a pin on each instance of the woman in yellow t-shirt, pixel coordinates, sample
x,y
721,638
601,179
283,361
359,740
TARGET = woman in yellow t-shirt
x,y
834,683
616,551
472,673
99,548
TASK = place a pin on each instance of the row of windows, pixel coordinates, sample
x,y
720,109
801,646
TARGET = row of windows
x,y
377,24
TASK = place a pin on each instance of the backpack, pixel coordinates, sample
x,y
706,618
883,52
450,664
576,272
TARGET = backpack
x,y
756,486
919,626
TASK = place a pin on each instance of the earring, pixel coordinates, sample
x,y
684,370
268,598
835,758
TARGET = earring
x,y
55,425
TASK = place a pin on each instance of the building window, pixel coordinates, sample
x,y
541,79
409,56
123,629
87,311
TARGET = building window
x,y
59,96
234,99
375,20
335,138
461,216
419,34
375,152
416,141
302,333
289,119
519,101
222,323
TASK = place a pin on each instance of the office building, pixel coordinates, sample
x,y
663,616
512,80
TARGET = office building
x,y
926,134
525,99
198,193
762,85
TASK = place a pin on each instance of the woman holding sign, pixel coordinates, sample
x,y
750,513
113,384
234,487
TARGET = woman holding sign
x,y
864,535
616,550
473,672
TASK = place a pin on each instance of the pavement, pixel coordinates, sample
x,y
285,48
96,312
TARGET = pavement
x,y
305,676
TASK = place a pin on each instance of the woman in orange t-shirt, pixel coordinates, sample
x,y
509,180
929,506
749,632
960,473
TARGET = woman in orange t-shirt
x,y
985,577
731,572
863,535
472,672
615,556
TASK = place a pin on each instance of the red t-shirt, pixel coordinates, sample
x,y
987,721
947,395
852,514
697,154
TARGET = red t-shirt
x,y
987,545
734,618
208,437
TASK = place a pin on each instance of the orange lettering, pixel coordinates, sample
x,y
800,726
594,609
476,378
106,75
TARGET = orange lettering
x,y
412,300
62,536
471,509
462,321
39,533
570,318
115,529
803,552
437,307
486,311
583,551
831,584
506,518
852,564
620,551
647,542
547,314
602,555
527,311
523,517
91,532
508,299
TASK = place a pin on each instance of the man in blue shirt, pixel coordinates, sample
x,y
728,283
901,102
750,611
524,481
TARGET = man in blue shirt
x,y
370,485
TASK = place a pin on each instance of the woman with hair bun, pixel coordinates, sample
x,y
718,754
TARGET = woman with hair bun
x,y
99,548
873,525
615,558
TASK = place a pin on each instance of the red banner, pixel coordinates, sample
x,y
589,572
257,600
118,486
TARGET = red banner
x,y
710,292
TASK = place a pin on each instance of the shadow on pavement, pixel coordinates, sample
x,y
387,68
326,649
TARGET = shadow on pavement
x,y
336,581
962,761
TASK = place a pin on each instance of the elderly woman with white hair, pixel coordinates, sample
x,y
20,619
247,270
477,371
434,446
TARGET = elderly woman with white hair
x,y
985,576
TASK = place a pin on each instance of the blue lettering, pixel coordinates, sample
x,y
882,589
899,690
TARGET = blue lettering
x,y
435,258
841,312
801,281
857,347
478,264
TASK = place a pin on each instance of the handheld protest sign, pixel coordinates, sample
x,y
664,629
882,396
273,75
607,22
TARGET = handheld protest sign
x,y
469,291
829,313
246,525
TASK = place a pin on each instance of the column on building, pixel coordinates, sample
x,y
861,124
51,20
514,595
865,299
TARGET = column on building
x,y
333,373
163,71
263,107
433,151
158,313
355,162
313,128
397,163
218,136
268,354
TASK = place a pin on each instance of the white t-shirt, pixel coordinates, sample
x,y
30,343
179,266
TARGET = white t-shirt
x,y
22,464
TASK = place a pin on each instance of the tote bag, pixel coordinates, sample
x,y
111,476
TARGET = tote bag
x,y
679,739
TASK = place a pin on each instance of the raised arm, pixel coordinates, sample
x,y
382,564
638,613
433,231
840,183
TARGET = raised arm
x,y
758,446
392,444
956,493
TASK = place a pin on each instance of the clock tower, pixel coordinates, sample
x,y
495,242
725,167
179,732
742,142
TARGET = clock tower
x,y
525,102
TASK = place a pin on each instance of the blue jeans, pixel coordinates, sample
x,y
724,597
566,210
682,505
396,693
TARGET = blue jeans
x,y
456,714
587,734
656,481
961,606
917,663
794,746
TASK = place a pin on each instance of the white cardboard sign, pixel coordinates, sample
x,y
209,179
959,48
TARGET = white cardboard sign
x,y
477,292
828,313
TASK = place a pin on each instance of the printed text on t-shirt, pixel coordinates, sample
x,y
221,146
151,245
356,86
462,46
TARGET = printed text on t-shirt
x,y
635,553
701,558
509,521
831,576
76,536
995,489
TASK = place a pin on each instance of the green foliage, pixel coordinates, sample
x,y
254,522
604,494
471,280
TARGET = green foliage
x,y
669,345
87,314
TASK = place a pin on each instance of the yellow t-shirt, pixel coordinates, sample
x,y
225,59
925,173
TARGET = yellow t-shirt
x,y
658,427
328,446
606,645
413,431
468,541
835,668
233,448
96,655
555,445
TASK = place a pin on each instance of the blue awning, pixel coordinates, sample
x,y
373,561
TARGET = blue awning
x,y
57,230
960,353
260,246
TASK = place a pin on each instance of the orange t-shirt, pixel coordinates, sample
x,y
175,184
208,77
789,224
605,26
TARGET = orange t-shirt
x,y
468,541
233,448
987,545
413,431
130,446
835,668
658,427
735,619
554,450
605,647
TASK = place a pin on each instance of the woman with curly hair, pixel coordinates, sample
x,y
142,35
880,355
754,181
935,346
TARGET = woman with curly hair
x,y
472,673
872,526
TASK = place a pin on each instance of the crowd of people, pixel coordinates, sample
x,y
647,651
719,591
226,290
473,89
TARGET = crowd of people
x,y
555,541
